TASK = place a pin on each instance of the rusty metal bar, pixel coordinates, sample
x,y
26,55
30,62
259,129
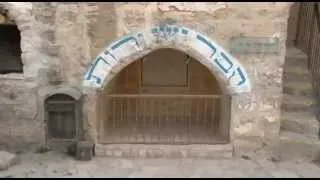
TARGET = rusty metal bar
x,y
160,119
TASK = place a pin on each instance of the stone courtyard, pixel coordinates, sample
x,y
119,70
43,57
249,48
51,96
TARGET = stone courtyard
x,y
52,164
294,158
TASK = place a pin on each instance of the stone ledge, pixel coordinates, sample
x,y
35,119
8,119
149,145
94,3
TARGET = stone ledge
x,y
164,151
12,76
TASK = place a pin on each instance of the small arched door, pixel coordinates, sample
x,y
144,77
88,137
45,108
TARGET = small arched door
x,y
62,117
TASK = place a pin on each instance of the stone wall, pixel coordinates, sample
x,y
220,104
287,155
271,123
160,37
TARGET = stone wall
x,y
19,125
255,116
65,38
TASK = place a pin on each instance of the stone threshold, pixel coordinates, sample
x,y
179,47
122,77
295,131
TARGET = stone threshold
x,y
164,151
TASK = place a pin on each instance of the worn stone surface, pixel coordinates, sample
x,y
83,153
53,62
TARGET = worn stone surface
x,y
165,151
53,164
7,160
68,36
84,150
20,126
43,148
298,101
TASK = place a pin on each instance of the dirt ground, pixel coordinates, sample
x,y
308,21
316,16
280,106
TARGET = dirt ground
x,y
57,164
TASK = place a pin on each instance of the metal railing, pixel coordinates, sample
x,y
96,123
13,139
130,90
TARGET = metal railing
x,y
160,119
308,39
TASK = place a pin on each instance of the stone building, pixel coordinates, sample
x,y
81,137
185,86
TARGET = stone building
x,y
146,79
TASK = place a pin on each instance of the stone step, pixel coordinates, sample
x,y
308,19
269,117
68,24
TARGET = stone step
x,y
293,51
296,70
295,67
290,136
294,146
296,57
297,103
7,160
217,151
300,122
296,62
303,88
296,77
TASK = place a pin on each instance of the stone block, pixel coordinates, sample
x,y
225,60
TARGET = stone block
x,y
72,149
7,160
142,153
84,150
99,151
43,148
117,153
108,152
316,159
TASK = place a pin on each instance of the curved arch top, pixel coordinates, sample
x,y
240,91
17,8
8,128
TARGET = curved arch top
x,y
49,91
120,53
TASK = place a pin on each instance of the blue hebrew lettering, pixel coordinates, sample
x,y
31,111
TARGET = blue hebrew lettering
x,y
233,73
154,31
141,40
243,79
92,67
87,76
98,80
106,52
164,31
176,29
101,59
125,40
202,39
224,57
184,31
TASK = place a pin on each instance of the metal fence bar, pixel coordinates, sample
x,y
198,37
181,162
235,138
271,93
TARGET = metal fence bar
x,y
160,119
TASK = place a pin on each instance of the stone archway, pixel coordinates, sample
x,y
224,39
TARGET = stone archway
x,y
229,72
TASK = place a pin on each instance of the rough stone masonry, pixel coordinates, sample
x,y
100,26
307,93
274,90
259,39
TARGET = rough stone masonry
x,y
59,41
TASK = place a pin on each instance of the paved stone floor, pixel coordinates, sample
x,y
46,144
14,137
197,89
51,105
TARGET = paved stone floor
x,y
53,164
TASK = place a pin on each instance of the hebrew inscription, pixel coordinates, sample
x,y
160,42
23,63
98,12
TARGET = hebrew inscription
x,y
181,37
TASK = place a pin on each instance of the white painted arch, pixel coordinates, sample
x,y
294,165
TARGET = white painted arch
x,y
230,74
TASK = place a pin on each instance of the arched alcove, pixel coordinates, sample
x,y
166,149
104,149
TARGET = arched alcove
x,y
115,60
165,97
